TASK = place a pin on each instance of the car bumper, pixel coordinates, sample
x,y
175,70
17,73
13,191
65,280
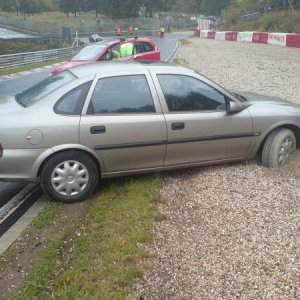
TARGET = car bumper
x,y
21,164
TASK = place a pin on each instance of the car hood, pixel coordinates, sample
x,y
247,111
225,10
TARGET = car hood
x,y
254,98
9,104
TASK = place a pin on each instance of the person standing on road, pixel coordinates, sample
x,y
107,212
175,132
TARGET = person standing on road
x,y
118,31
126,49
130,30
162,32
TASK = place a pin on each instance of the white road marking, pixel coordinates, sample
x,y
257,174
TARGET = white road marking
x,y
16,201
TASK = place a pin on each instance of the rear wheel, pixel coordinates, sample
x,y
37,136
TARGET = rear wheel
x,y
70,176
278,148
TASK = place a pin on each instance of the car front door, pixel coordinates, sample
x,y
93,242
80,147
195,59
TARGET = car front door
x,y
123,122
198,125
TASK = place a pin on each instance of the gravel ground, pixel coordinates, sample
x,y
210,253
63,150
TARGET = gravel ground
x,y
231,231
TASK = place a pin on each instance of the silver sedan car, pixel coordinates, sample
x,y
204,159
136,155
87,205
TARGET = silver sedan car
x,y
118,118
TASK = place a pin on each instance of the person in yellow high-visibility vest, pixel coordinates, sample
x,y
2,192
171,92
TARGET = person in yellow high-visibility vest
x,y
162,32
126,48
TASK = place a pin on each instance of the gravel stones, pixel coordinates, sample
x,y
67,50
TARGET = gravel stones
x,y
231,231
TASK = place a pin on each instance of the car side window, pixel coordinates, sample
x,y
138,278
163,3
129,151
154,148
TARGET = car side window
x,y
106,56
138,48
121,94
186,93
147,47
72,102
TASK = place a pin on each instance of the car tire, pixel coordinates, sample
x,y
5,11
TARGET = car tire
x,y
70,176
278,148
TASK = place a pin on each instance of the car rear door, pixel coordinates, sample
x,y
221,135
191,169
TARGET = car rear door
x,y
198,126
145,51
123,122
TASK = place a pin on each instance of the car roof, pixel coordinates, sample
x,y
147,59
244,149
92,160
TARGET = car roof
x,y
125,65
106,43
129,39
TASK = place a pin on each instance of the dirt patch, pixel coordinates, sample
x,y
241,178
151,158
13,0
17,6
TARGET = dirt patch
x,y
25,253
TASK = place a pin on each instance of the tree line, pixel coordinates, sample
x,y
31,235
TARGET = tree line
x,y
134,8
114,8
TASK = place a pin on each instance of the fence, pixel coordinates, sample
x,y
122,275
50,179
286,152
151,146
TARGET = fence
x,y
27,58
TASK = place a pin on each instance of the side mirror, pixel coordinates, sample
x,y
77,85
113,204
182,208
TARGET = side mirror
x,y
234,107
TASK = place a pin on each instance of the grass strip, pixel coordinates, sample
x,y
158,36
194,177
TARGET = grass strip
x,y
98,256
46,216
41,221
33,66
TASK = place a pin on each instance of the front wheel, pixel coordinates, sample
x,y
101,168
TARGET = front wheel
x,y
70,176
278,148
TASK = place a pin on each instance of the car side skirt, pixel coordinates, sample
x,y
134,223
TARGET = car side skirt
x,y
173,167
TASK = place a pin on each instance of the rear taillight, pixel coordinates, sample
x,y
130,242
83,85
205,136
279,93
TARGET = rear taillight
x,y
1,150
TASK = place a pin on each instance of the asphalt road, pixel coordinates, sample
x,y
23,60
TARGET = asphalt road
x,y
8,34
18,84
8,190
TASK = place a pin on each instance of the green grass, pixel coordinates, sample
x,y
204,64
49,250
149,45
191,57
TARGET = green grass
x,y
44,219
46,216
98,257
56,17
33,66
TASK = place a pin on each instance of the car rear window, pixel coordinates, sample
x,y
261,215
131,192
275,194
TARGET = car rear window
x,y
89,53
43,88
72,102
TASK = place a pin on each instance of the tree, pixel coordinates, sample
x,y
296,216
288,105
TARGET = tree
x,y
28,7
8,5
48,5
213,7
65,6
76,7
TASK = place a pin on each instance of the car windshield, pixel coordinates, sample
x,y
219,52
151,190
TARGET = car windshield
x,y
43,88
89,53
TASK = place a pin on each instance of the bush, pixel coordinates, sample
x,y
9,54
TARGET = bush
x,y
284,21
231,16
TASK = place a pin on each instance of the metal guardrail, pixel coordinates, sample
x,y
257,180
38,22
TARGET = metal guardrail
x,y
27,58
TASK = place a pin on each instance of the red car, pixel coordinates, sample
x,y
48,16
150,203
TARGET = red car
x,y
144,49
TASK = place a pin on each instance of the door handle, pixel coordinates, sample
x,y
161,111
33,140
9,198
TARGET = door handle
x,y
177,126
97,129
